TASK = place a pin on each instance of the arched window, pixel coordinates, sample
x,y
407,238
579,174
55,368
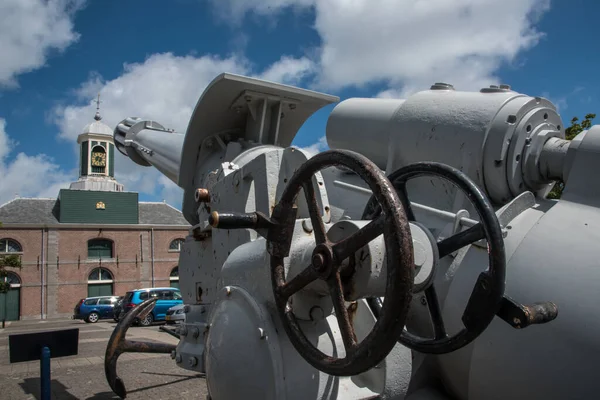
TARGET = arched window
x,y
176,245
12,279
98,160
174,277
100,282
100,275
10,246
100,248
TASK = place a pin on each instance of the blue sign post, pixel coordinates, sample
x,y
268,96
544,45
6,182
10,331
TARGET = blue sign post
x,y
45,373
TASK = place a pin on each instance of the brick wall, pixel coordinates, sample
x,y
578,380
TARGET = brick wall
x,y
68,266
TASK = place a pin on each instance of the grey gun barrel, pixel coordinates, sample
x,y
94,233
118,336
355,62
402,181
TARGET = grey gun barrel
x,y
148,143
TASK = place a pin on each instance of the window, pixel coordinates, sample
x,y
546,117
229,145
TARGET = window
x,y
90,302
10,246
100,248
105,302
144,296
176,245
100,274
12,279
174,277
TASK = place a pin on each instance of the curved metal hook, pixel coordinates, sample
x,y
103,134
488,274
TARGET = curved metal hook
x,y
118,345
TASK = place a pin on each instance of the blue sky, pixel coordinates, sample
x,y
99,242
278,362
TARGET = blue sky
x,y
153,58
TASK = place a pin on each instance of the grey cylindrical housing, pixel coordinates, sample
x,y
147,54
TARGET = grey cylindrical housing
x,y
485,134
363,125
148,143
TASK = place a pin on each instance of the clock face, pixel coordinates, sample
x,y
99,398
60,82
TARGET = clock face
x,y
98,159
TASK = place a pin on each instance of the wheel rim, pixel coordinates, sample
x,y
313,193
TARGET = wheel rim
x,y
93,317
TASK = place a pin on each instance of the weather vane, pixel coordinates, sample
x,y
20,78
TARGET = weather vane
x,y
97,117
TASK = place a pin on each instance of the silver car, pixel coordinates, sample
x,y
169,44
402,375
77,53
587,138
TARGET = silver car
x,y
175,314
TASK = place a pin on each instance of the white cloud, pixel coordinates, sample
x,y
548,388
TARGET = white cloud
x,y
319,146
25,175
29,30
164,88
410,44
289,70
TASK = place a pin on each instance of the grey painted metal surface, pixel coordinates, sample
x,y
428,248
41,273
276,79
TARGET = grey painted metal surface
x,y
508,143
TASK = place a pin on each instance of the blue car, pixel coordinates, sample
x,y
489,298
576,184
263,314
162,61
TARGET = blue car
x,y
93,309
167,298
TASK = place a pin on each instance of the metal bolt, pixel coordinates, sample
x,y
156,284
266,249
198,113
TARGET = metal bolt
x,y
318,261
202,195
261,332
173,354
423,300
178,358
516,321
228,290
307,226
195,332
192,361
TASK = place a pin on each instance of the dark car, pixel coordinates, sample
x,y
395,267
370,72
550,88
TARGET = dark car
x,y
118,308
93,309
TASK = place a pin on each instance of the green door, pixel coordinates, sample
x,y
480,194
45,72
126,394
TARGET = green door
x,y
9,305
175,284
100,289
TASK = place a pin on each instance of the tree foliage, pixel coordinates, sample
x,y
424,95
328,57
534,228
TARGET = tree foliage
x,y
575,129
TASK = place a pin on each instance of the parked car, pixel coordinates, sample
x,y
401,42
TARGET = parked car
x,y
175,314
93,309
118,308
167,298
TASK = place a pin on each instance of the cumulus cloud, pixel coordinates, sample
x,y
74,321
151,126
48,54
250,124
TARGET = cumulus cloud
x,y
29,30
26,175
319,146
164,88
409,44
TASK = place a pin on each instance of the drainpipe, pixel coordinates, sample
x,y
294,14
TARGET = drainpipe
x,y
152,252
43,279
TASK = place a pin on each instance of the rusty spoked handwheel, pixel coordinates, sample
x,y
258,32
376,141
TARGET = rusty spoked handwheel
x,y
487,294
327,258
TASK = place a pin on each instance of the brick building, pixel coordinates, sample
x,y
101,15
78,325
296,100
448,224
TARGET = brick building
x,y
93,239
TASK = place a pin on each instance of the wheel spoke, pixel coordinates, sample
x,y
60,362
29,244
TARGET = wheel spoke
x,y
460,240
358,240
314,212
341,313
298,282
439,330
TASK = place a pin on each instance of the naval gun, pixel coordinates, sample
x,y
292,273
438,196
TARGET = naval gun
x,y
418,258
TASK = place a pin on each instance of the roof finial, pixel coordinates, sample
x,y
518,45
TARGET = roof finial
x,y
97,117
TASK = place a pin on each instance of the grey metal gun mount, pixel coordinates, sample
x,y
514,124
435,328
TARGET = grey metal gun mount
x,y
404,263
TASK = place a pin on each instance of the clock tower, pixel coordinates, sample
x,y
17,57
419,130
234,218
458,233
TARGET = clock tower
x,y
97,157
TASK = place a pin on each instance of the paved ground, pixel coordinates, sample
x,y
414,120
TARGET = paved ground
x,y
153,376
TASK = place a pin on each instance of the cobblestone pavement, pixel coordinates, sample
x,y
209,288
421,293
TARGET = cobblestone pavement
x,y
153,376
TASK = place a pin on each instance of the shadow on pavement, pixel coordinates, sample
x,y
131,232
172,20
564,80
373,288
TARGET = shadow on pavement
x,y
59,391
111,395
